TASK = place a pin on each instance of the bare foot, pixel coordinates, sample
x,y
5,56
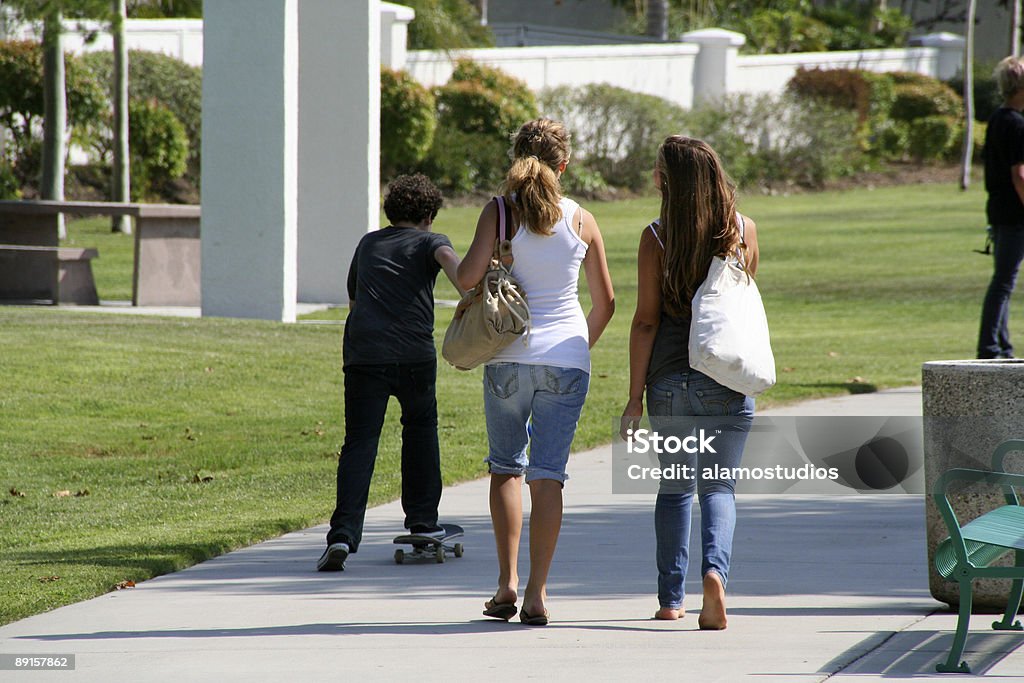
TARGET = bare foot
x,y
669,614
712,613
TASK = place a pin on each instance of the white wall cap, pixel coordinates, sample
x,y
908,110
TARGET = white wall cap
x,y
400,12
715,36
938,40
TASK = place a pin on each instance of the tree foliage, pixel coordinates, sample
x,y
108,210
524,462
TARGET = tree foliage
x,y
446,25
779,26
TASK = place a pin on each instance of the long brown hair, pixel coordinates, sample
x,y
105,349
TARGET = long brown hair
x,y
698,217
539,148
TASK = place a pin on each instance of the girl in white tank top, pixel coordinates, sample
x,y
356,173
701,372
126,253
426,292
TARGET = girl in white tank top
x,y
534,389
548,268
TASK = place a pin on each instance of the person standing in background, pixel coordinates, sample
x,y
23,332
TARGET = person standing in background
x,y
1004,181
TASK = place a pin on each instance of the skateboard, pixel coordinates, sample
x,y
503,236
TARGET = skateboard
x,y
429,548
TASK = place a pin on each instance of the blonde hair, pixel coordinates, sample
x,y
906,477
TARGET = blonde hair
x,y
698,217
539,148
1009,75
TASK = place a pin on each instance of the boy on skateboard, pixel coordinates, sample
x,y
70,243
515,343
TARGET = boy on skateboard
x,y
389,351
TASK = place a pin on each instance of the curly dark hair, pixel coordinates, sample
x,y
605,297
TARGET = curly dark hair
x,y
411,199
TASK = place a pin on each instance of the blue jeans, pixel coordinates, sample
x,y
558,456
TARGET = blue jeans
x,y
535,406
692,393
994,338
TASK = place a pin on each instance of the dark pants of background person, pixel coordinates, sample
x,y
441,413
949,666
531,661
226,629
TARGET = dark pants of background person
x,y
367,389
994,338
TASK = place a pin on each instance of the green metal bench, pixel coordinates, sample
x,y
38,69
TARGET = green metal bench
x,y
971,548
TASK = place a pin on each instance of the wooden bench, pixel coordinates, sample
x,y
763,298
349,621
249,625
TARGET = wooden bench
x,y
971,549
167,253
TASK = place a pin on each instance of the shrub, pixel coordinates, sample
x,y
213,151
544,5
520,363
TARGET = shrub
x,y
159,149
477,111
581,181
934,137
21,100
845,89
986,92
169,81
869,94
10,186
465,162
777,140
407,122
916,100
617,131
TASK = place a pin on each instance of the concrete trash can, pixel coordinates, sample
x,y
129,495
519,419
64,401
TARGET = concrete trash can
x,y
969,408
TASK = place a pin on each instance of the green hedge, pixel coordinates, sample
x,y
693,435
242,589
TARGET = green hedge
x,y
21,104
774,141
159,147
407,122
478,111
616,131
153,76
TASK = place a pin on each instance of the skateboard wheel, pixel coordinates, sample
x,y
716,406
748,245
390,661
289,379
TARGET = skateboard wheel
x,y
440,556
399,556
458,550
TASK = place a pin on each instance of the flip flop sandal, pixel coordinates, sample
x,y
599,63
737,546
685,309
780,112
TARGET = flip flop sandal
x,y
499,610
533,619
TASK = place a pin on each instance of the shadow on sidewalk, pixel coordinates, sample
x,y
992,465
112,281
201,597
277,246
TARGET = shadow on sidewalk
x,y
904,654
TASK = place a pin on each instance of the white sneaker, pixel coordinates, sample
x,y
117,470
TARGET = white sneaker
x,y
333,559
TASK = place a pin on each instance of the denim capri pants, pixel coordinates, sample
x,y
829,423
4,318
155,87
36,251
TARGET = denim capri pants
x,y
532,408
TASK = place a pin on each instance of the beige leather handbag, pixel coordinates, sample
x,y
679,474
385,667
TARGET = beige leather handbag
x,y
493,314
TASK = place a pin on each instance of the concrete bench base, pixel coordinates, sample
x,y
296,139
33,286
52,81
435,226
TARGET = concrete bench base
x,y
60,275
167,253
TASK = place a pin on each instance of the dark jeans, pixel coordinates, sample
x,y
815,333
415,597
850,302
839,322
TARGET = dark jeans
x,y
994,338
367,389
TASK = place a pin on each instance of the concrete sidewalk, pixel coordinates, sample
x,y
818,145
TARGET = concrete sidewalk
x,y
821,587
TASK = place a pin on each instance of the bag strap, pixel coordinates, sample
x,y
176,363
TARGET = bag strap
x,y
502,249
501,217
741,249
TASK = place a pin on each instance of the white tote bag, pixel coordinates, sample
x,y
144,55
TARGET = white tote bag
x,y
729,339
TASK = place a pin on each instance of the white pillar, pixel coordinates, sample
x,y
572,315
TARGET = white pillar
x,y
250,120
715,73
950,59
394,34
339,141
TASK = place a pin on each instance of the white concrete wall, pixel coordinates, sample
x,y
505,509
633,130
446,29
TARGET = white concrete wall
x,y
665,70
180,38
339,141
770,73
706,65
250,145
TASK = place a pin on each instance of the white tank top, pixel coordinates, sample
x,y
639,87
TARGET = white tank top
x,y
548,268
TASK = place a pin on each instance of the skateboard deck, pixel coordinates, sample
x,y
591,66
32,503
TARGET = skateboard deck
x,y
428,547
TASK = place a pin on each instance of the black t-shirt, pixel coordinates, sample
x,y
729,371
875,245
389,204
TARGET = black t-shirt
x,y
391,280
1004,148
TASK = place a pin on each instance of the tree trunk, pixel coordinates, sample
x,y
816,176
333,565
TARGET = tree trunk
x,y
878,6
54,112
122,177
1015,27
968,148
657,19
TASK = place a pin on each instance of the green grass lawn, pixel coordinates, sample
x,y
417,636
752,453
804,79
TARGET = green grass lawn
x,y
178,439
